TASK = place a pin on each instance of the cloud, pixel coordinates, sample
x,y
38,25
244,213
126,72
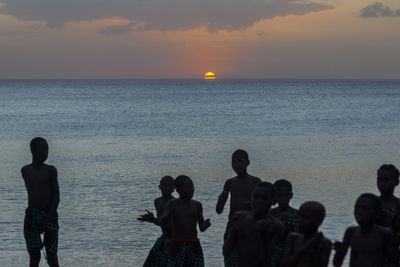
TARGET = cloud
x,y
163,15
378,10
119,29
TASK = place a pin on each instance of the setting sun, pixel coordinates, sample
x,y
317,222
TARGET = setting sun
x,y
209,76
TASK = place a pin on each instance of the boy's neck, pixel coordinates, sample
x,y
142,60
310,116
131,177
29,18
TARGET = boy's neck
x,y
243,175
185,199
166,196
284,207
37,164
387,197
365,228
310,234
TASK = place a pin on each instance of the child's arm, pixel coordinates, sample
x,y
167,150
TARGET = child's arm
x,y
291,259
232,239
203,224
342,247
325,252
391,249
223,197
288,251
55,196
148,217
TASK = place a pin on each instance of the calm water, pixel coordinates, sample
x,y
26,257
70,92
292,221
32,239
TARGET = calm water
x,y
112,141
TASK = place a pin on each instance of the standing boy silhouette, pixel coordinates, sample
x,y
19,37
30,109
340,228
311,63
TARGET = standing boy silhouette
x,y
240,188
43,198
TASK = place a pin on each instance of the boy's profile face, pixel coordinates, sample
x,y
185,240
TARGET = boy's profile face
x,y
261,200
364,211
283,195
386,182
186,191
305,221
167,186
239,164
40,152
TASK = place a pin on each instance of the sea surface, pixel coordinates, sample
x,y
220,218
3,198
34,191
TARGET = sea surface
x,y
112,141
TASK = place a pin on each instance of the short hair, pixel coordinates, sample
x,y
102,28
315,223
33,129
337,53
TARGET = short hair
x,y
180,180
390,168
375,200
283,183
35,142
241,153
167,177
267,185
317,211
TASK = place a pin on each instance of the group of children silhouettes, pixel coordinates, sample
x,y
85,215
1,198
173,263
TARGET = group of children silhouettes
x,y
258,236
255,235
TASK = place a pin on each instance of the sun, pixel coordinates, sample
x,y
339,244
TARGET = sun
x,y
209,76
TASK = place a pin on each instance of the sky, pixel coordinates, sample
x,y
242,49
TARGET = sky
x,y
133,39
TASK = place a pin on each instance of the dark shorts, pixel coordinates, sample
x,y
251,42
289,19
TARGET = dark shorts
x,y
158,254
230,261
185,253
33,218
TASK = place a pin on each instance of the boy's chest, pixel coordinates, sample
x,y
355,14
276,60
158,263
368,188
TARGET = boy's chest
x,y
37,178
242,189
366,243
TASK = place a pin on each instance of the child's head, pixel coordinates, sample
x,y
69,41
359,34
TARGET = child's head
x,y
387,179
240,161
284,192
310,216
39,149
367,209
167,185
262,198
184,187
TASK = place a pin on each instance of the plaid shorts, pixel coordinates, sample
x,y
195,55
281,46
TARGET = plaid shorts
x,y
230,261
33,218
182,253
158,255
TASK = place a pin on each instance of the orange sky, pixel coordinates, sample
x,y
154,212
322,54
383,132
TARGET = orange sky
x,y
334,42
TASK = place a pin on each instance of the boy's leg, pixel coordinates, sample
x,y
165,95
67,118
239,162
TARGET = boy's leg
x,y
52,260
34,258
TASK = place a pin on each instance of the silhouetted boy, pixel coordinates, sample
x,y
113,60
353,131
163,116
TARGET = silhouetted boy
x,y
387,180
184,214
43,198
284,212
240,188
255,234
158,255
308,247
371,245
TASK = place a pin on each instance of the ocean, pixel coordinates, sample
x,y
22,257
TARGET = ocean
x,y
112,141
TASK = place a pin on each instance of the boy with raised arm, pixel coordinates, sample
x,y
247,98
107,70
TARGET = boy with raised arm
x,y
184,214
158,255
255,234
43,198
240,188
371,245
308,247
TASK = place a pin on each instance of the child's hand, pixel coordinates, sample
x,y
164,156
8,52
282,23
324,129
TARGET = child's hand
x,y
148,217
205,225
337,246
237,220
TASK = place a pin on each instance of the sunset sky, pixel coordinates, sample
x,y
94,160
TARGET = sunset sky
x,y
350,39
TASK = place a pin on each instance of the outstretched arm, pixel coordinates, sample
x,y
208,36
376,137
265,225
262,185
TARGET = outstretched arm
x,y
223,197
148,217
203,224
341,248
